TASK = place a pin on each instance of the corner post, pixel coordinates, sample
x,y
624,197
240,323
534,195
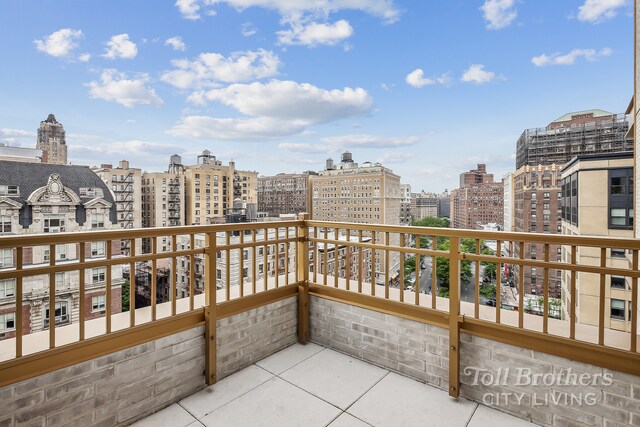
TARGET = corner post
x,y
454,312
210,319
302,276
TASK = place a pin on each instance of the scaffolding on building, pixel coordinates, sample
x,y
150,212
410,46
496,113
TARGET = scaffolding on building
x,y
560,144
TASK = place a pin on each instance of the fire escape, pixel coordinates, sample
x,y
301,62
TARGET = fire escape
x,y
123,189
174,202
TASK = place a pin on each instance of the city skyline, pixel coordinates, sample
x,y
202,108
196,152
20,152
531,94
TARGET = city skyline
x,y
282,87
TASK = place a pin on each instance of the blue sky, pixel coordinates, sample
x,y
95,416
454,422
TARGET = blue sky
x,y
428,88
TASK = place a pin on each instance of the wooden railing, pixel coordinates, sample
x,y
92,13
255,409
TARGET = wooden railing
x,y
252,264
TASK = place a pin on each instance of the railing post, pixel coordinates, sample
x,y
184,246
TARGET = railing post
x,y
210,307
302,275
454,312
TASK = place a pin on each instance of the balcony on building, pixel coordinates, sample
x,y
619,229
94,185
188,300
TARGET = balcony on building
x,y
282,323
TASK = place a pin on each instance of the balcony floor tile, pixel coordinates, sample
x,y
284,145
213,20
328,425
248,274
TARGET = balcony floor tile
x,y
335,377
490,417
274,403
397,400
320,387
226,390
289,357
172,416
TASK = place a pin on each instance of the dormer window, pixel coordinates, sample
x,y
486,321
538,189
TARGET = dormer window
x,y
91,192
9,190
54,224
5,224
97,221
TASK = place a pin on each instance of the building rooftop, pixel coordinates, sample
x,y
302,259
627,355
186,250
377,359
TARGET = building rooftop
x,y
310,385
596,113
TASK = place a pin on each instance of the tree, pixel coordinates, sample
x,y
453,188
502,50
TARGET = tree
x,y
125,296
489,267
409,267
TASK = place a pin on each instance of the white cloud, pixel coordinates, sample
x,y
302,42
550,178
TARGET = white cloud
x,y
394,157
599,10
370,141
477,74
84,57
209,69
274,109
229,129
292,101
176,43
417,79
115,86
189,8
248,29
13,133
570,58
499,13
383,9
313,34
119,46
60,43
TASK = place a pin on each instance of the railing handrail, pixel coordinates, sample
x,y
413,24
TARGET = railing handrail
x,y
556,239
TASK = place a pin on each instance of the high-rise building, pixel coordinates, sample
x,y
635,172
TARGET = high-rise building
x,y
406,214
597,200
478,201
212,188
126,184
573,134
45,198
52,141
536,209
444,204
426,205
284,194
366,194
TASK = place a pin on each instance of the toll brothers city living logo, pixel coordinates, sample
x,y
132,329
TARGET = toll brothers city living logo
x,y
565,387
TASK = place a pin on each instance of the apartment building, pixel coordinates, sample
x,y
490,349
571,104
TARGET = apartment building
x,y
126,184
52,141
49,198
212,188
597,200
284,194
478,201
406,212
365,194
426,205
537,209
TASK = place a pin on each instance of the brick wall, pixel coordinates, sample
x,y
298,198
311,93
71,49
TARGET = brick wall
x,y
492,373
115,389
248,337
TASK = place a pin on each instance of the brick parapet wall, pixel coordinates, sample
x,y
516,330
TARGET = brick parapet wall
x,y
420,351
125,386
250,336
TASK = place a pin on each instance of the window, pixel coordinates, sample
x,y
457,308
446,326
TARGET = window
x,y
9,190
7,322
91,192
621,198
617,309
546,195
98,274
98,303
7,288
61,253
618,282
617,253
53,224
97,221
6,258
5,224
60,279
60,314
97,248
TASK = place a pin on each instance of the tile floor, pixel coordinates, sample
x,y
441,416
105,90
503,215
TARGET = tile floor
x,y
309,385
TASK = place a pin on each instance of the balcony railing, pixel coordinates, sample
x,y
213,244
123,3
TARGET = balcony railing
x,y
331,260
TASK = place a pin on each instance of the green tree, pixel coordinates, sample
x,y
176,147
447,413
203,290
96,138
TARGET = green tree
x,y
125,296
409,267
488,290
489,267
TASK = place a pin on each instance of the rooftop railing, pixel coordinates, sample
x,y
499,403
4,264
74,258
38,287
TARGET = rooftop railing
x,y
431,275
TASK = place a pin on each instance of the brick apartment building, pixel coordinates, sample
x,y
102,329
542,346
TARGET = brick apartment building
x,y
478,201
